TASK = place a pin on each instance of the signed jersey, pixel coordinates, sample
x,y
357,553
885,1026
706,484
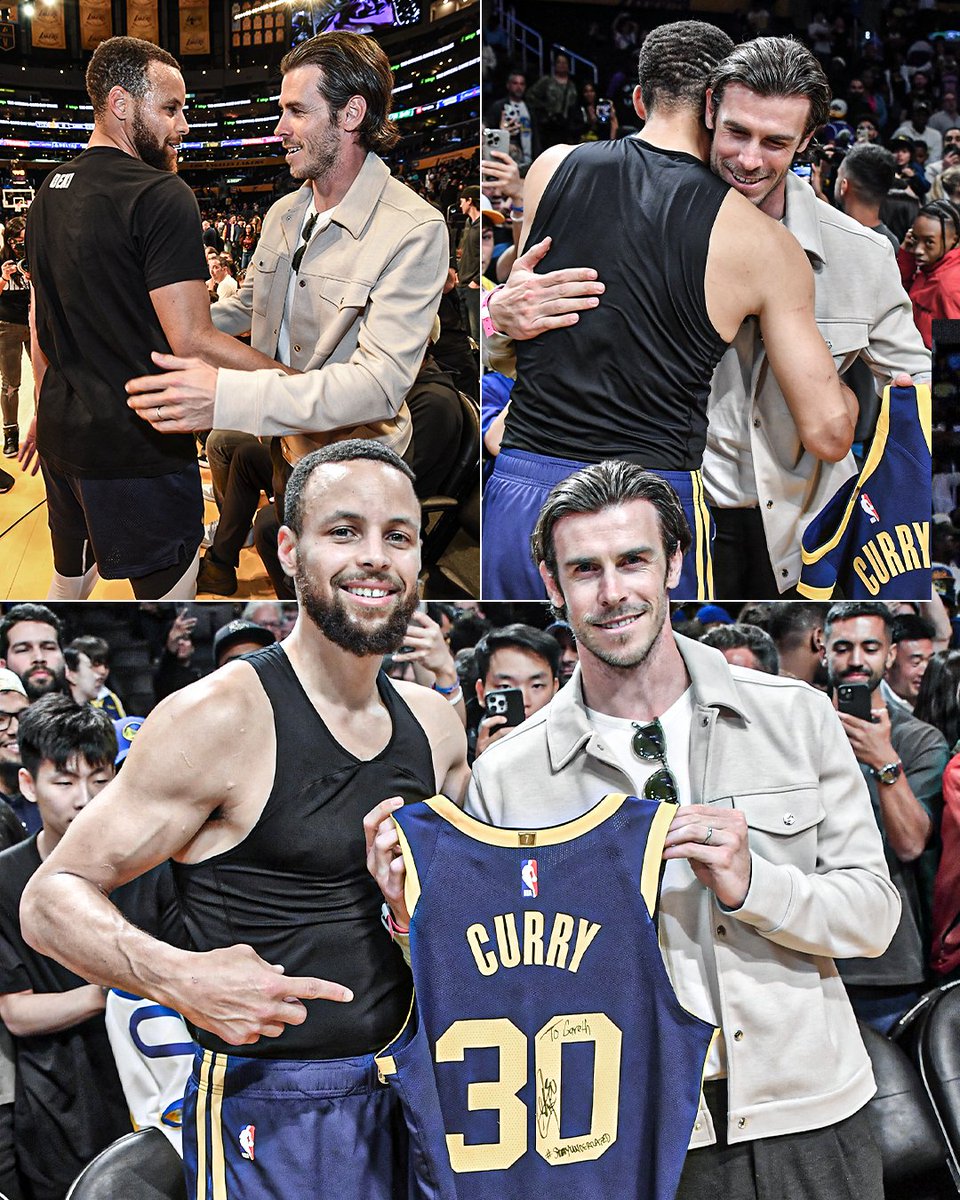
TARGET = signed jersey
x,y
547,1053
872,539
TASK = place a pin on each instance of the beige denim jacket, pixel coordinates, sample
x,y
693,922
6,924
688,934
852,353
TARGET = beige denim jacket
x,y
774,748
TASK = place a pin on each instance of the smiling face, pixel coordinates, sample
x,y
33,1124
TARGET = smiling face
x,y
357,559
158,125
755,139
858,650
613,576
312,138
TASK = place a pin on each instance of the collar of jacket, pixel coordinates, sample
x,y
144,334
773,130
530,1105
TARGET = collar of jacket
x,y
569,728
800,217
354,210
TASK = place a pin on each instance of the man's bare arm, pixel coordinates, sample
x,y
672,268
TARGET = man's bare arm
x,y
530,302
195,754
27,1014
755,267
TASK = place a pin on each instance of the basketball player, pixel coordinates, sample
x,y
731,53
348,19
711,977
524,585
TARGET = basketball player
x,y
773,865
684,259
255,780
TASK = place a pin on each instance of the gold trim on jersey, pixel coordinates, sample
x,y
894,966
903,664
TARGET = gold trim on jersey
x,y
877,448
653,854
201,1125
701,534
218,1169
411,881
552,835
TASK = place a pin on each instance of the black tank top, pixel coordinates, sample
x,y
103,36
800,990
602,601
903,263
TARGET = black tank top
x,y
297,888
631,379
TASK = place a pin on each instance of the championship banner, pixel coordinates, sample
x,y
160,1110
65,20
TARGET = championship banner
x,y
8,27
48,29
143,20
96,23
194,26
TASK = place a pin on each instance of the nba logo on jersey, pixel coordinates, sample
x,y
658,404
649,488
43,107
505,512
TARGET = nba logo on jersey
x,y
528,876
246,1141
867,505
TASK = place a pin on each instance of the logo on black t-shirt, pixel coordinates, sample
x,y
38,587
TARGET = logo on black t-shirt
x,y
62,181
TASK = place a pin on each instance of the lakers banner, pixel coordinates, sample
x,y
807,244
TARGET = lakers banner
x,y
48,28
143,21
8,27
194,26
96,23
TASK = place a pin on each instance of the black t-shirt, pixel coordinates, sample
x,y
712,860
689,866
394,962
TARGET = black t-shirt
x,y
69,1102
105,230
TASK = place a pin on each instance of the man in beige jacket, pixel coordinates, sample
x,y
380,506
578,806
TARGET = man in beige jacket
x,y
773,863
343,286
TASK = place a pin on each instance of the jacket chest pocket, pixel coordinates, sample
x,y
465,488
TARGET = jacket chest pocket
x,y
265,271
782,825
845,338
336,295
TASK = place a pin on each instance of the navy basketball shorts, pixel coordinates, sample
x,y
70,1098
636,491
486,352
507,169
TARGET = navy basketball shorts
x,y
274,1129
129,527
513,497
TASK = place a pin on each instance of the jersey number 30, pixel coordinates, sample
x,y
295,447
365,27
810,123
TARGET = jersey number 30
x,y
501,1094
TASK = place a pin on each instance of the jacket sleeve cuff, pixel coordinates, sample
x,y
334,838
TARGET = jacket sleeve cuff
x,y
767,902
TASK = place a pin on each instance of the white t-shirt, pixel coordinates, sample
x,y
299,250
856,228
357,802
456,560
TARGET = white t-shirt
x,y
283,339
684,920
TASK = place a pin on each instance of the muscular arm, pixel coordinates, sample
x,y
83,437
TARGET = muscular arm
x,y
27,1014
754,266
198,752
184,312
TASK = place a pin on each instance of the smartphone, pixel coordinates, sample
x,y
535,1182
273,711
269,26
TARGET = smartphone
x,y
497,139
604,109
854,700
802,170
505,702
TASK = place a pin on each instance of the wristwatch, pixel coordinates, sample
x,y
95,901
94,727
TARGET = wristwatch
x,y
889,773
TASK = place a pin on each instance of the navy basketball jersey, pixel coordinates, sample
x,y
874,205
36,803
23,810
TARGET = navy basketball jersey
x,y
871,541
547,1053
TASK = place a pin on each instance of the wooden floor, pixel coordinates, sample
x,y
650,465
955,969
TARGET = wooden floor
x,y
26,559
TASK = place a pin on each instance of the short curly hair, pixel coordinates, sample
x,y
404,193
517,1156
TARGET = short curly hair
x,y
122,61
676,62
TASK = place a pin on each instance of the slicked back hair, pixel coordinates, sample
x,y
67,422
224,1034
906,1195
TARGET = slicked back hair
x,y
604,485
676,63
55,728
122,61
351,64
776,66
351,450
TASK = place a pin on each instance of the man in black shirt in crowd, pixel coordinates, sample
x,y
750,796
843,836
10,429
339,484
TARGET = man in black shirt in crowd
x,y
118,270
69,1104
255,780
14,330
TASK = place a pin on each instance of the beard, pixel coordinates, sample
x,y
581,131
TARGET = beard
x,y
330,616
319,157
631,655
153,153
34,689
